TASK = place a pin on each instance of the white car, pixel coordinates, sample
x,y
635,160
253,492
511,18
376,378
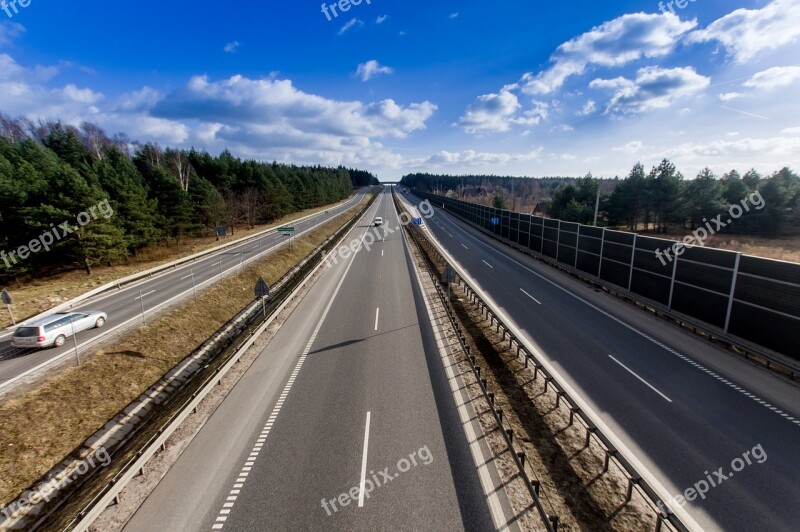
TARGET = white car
x,y
378,221
54,330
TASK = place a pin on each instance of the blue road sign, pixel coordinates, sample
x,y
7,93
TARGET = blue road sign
x,y
417,221
495,220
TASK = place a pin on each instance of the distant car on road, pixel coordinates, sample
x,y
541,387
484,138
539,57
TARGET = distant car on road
x,y
54,330
378,221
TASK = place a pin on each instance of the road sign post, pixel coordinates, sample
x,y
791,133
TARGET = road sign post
x,y
262,291
8,300
287,231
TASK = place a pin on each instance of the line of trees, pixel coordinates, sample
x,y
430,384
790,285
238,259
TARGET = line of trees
x,y
50,172
660,200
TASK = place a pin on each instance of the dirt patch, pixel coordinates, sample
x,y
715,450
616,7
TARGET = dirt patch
x,y
40,427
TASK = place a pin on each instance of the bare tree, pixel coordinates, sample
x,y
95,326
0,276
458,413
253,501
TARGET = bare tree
x,y
179,163
13,130
249,204
95,139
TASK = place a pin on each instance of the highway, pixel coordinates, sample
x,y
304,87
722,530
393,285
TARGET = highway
x,y
684,407
351,393
126,304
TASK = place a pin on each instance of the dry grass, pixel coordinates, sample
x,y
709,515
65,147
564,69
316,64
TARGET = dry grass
x,y
38,295
781,248
41,427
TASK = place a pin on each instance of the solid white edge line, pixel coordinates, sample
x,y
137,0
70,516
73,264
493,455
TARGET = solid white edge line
x,y
641,379
274,414
364,464
479,458
530,296
659,488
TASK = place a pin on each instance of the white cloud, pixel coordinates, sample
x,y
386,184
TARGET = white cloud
x,y
776,147
746,33
10,31
473,159
381,19
774,77
634,146
349,25
372,68
266,119
454,15
653,88
612,44
564,128
491,113
589,108
791,131
231,47
728,96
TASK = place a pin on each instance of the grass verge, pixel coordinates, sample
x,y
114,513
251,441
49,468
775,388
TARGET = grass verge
x,y
34,296
41,427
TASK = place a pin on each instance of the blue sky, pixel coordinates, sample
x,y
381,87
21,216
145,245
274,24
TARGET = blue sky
x,y
509,87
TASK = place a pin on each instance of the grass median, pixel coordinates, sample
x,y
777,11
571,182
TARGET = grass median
x,y
41,427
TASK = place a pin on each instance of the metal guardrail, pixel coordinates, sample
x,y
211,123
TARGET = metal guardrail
x,y
550,522
158,269
612,451
736,343
285,289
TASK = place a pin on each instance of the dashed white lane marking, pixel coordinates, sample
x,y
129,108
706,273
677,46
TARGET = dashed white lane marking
x,y
530,296
250,461
463,246
489,265
668,349
364,463
145,294
377,314
641,379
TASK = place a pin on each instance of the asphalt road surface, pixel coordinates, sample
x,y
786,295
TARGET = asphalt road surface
x,y
684,407
352,389
126,303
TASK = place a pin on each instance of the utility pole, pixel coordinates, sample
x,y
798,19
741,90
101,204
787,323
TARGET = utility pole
x,y
597,203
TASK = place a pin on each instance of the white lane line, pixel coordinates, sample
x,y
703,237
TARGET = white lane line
x,y
463,246
145,294
641,379
451,236
245,471
530,296
377,313
185,277
381,253
364,463
489,265
644,335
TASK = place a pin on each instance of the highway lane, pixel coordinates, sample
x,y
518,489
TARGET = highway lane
x,y
126,304
358,347
684,407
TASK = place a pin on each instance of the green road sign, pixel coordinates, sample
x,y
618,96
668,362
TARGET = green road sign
x,y
286,229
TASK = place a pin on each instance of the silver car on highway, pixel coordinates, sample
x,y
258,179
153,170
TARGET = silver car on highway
x,y
54,330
